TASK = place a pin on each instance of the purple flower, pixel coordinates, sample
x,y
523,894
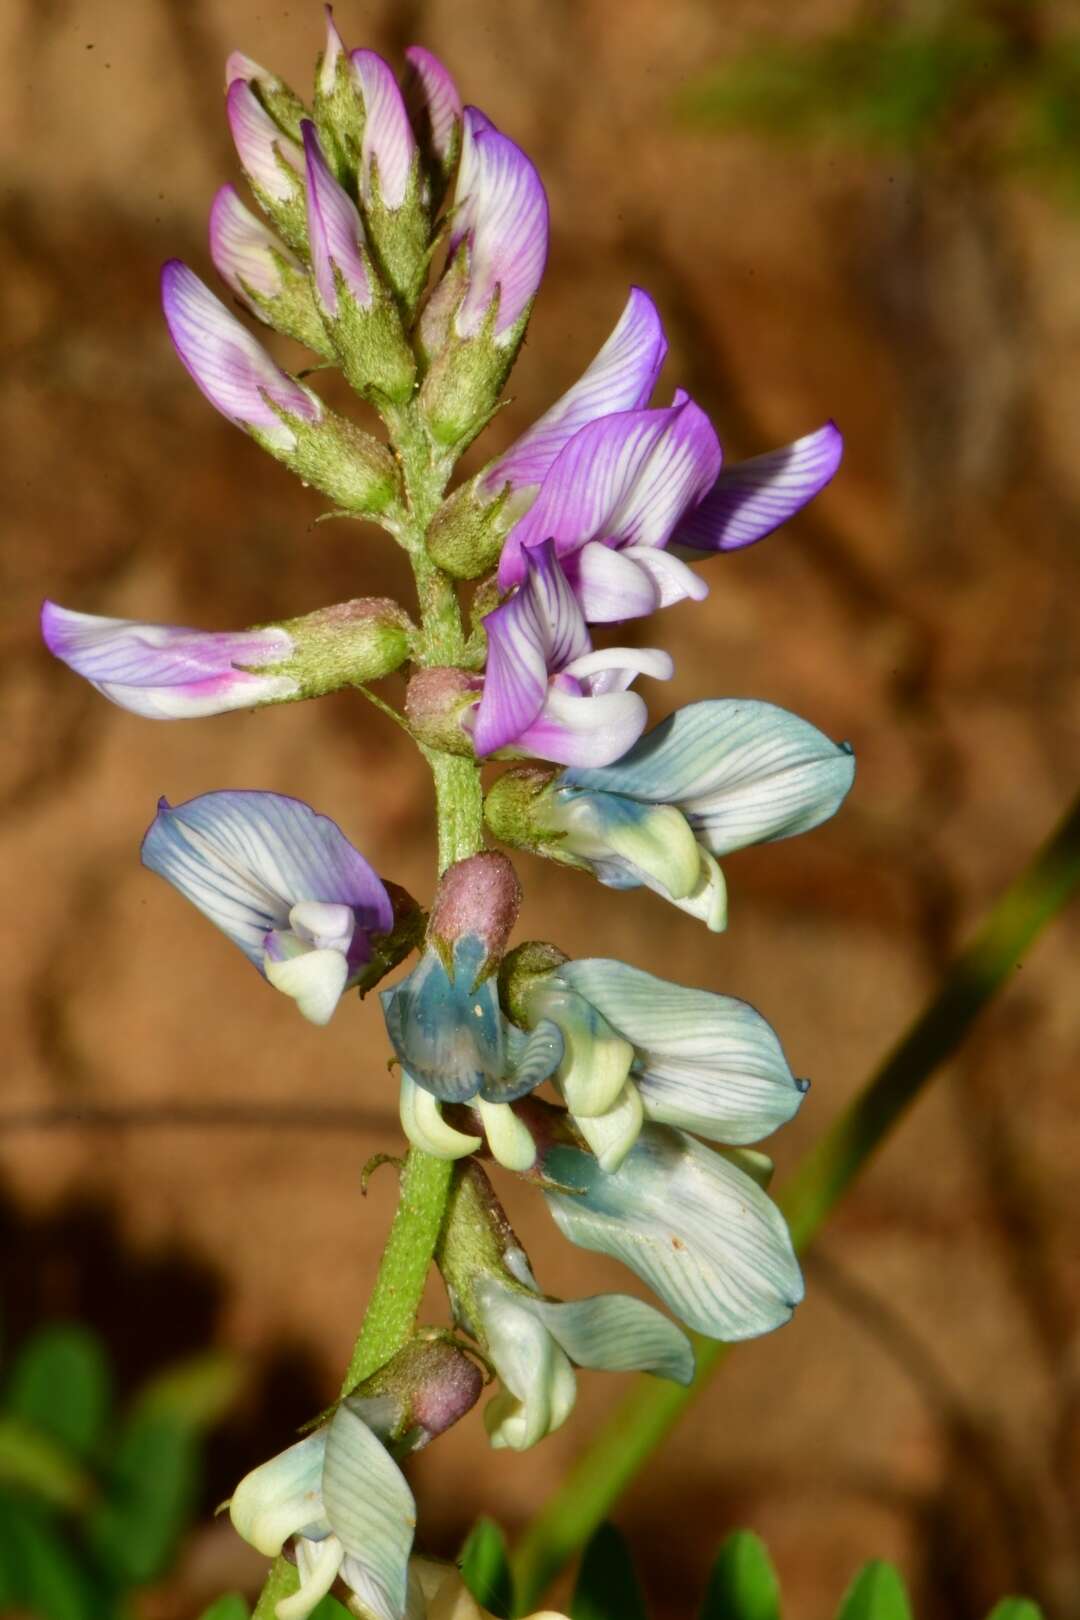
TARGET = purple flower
x,y
282,882
272,161
435,105
335,232
751,499
500,213
546,691
230,366
246,253
389,145
168,672
621,377
610,503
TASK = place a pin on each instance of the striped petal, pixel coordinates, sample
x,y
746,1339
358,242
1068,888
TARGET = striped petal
x,y
281,1498
272,161
701,1233
742,772
389,145
433,100
166,671
246,858
335,231
540,629
371,1510
620,378
615,1333
500,208
539,1385
625,480
246,253
448,1031
751,499
228,364
705,1062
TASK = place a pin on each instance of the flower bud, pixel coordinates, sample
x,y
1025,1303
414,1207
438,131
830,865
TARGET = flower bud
x,y
435,109
237,376
273,163
419,1393
466,534
267,278
436,703
358,312
477,899
348,644
279,100
389,181
339,112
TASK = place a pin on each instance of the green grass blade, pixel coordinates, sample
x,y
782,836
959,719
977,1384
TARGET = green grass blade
x,y
485,1568
607,1586
876,1593
743,1583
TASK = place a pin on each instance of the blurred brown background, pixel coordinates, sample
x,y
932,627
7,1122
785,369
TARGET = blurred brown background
x,y
924,1404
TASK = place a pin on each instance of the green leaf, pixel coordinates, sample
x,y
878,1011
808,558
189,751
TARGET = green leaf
x,y
607,1587
60,1385
1016,1608
31,1461
39,1574
229,1607
485,1568
328,1608
876,1593
743,1584
197,1392
150,1493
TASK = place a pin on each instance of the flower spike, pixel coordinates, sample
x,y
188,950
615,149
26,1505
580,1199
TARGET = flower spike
x,y
282,882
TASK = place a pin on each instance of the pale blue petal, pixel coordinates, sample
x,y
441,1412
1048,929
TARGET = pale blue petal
x,y
370,1509
741,771
281,1497
691,1225
615,1333
705,1062
447,1033
246,858
533,1058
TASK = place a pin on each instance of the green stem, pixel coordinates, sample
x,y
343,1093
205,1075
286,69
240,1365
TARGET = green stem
x,y
822,1179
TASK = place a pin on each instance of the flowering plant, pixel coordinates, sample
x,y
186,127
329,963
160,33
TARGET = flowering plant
x,y
403,239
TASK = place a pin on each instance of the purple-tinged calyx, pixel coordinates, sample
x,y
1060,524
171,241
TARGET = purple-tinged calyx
x,y
263,273
359,314
239,378
752,498
390,183
436,112
282,882
168,672
547,692
610,501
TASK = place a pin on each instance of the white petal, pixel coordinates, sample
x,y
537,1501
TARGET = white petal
x,y
281,1497
508,1137
596,1060
539,1382
314,980
324,924
318,1563
654,842
423,1124
612,1135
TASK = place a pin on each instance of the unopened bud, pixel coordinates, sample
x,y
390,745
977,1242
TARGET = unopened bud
x,y
347,644
279,99
436,703
420,1393
466,534
272,161
477,898
263,273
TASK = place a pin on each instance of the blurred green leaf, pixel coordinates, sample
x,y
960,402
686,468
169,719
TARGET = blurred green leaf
x,y
150,1491
1016,1608
876,85
36,1463
485,1568
230,1607
38,1573
607,1587
330,1609
60,1385
743,1584
198,1392
876,1593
